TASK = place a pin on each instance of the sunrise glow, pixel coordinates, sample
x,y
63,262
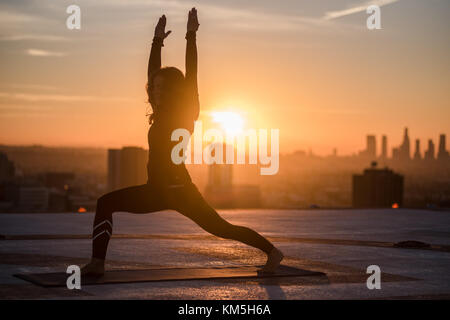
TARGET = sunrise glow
x,y
231,122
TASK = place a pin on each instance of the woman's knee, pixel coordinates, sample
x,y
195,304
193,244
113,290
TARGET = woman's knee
x,y
224,230
104,204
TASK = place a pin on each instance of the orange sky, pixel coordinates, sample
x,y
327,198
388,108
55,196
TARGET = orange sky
x,y
324,83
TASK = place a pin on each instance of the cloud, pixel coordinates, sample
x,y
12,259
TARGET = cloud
x,y
25,109
232,17
57,97
29,86
260,20
8,17
359,8
41,37
44,53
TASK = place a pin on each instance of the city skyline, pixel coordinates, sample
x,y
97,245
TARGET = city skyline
x,y
404,151
427,149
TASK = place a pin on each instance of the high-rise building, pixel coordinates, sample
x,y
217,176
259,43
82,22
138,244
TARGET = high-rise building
x,y
442,152
219,191
126,167
371,146
429,154
232,186
403,151
417,155
377,188
113,169
384,147
133,166
7,169
220,175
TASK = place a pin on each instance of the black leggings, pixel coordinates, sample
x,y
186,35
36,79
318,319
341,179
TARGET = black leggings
x,y
186,199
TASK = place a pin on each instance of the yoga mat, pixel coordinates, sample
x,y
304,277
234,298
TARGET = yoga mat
x,y
59,279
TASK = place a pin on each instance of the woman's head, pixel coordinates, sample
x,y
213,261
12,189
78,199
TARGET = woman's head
x,y
166,89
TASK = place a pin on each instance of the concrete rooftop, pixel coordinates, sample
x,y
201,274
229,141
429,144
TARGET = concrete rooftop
x,y
341,243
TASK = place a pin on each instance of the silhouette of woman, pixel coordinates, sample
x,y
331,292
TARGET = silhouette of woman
x,y
175,104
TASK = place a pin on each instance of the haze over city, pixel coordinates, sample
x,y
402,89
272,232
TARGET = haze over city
x,y
312,70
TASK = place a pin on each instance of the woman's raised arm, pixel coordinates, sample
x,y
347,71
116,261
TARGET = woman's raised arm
x,y
154,62
191,62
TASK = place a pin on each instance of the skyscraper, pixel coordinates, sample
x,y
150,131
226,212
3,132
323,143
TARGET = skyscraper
x,y
126,167
384,147
403,151
417,155
113,169
429,154
405,148
371,146
7,168
219,190
442,152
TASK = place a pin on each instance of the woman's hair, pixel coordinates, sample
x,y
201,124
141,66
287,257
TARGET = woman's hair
x,y
173,92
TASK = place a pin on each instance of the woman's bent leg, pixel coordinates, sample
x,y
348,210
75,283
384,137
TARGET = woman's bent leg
x,y
136,199
193,206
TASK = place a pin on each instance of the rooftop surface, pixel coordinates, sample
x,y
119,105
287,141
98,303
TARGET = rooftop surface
x,y
340,243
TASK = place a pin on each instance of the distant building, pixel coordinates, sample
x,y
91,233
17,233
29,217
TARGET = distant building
x,y
7,169
219,190
405,147
222,190
442,152
58,180
113,179
403,151
58,202
59,185
33,198
384,147
429,154
417,155
371,147
126,167
220,175
377,188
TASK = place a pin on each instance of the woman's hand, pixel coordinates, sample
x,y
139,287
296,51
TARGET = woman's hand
x,y
192,24
160,29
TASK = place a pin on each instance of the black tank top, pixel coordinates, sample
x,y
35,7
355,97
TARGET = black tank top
x,y
160,168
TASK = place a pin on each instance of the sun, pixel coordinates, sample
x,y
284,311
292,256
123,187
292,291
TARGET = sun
x,y
231,122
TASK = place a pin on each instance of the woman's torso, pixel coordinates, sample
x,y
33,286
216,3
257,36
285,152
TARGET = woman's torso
x,y
161,170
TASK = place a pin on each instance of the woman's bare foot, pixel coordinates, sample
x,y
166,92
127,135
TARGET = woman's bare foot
x,y
96,268
273,261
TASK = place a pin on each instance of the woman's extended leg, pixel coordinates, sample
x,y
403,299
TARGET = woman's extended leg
x,y
193,206
136,199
